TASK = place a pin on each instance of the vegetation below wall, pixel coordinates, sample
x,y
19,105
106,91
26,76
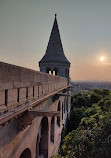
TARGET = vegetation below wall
x,y
89,127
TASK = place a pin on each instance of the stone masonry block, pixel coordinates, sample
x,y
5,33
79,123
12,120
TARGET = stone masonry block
x,y
2,98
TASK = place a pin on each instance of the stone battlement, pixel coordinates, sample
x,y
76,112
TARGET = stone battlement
x,y
18,85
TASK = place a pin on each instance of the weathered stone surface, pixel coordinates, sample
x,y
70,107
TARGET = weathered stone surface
x,y
20,132
12,76
13,143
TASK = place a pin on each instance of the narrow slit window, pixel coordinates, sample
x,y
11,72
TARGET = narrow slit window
x,y
26,92
18,94
33,91
6,96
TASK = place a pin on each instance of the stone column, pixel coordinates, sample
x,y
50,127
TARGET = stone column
x,y
52,72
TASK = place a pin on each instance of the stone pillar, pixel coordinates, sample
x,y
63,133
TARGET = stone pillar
x,y
52,72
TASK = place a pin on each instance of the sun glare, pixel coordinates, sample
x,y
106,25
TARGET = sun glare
x,y
101,58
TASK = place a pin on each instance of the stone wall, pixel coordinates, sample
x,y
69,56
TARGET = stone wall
x,y
18,84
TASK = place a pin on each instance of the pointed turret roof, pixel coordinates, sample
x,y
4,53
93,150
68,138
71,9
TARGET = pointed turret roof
x,y
54,51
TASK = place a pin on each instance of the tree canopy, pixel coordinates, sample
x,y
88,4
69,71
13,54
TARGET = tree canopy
x,y
89,126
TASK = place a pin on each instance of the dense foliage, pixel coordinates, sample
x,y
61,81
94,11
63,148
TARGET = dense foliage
x,y
89,127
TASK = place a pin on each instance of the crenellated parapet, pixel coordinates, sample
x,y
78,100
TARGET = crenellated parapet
x,y
19,85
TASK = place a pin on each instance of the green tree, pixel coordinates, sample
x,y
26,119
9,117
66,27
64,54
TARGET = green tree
x,y
76,115
95,98
103,92
89,126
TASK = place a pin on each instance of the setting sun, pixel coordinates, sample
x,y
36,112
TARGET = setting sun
x,y
101,58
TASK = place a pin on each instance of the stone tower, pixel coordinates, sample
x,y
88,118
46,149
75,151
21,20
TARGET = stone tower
x,y
54,61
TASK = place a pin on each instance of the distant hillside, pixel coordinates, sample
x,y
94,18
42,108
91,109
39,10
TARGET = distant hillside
x,y
78,86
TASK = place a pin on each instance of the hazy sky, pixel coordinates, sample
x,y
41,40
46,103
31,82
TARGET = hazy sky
x,y
85,28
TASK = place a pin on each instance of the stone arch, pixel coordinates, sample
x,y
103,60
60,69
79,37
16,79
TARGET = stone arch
x,y
43,143
58,118
52,129
26,153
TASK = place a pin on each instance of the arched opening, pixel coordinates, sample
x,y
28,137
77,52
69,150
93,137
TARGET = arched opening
x,y
43,143
48,70
26,153
55,72
58,118
66,73
52,130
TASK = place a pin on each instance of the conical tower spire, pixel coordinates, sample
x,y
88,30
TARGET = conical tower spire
x,y
54,51
54,60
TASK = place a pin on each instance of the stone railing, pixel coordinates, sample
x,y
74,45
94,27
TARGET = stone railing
x,y
19,85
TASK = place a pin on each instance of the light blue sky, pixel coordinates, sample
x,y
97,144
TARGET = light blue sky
x,y
85,28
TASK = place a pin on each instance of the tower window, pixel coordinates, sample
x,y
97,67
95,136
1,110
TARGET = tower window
x,y
48,70
55,71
